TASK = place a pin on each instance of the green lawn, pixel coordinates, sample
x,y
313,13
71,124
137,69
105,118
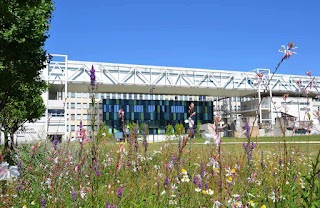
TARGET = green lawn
x,y
264,139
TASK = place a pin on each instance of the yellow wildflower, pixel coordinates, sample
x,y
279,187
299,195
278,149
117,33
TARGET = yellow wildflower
x,y
24,206
184,171
263,206
204,192
229,180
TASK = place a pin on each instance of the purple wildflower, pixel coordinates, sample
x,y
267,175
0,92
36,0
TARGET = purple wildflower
x,y
19,167
199,184
220,185
173,158
145,144
43,202
96,168
55,142
120,192
291,160
247,128
253,145
73,194
249,149
19,187
245,146
92,76
98,173
166,181
108,205
195,180
280,162
238,197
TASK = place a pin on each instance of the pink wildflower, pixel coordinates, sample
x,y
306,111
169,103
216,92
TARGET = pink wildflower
x,y
308,73
287,50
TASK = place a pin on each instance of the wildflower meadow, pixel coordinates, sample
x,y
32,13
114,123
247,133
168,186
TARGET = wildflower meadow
x,y
182,171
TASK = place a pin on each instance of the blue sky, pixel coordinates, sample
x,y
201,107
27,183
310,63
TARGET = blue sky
x,y
211,34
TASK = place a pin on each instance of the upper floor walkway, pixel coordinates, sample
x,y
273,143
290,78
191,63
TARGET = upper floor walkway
x,y
127,78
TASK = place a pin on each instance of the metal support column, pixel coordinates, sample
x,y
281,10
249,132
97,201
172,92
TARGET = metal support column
x,y
154,112
66,95
260,111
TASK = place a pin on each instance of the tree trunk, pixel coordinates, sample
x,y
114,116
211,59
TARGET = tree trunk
x,y
6,140
11,140
7,156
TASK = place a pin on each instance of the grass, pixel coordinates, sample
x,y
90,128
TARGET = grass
x,y
307,149
300,138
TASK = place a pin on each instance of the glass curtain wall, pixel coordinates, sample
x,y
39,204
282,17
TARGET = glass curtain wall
x,y
157,114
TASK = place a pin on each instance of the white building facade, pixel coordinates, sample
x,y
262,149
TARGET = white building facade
x,y
233,93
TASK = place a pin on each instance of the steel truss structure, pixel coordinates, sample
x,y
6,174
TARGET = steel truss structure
x,y
134,79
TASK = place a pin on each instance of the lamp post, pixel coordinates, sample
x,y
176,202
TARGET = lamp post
x,y
151,91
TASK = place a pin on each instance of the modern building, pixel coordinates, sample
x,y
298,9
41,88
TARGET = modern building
x,y
159,96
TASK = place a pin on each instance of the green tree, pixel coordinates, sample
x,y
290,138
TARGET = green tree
x,y
103,133
23,32
17,112
179,129
169,130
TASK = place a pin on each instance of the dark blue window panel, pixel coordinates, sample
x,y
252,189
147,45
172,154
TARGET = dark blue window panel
x,y
157,114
